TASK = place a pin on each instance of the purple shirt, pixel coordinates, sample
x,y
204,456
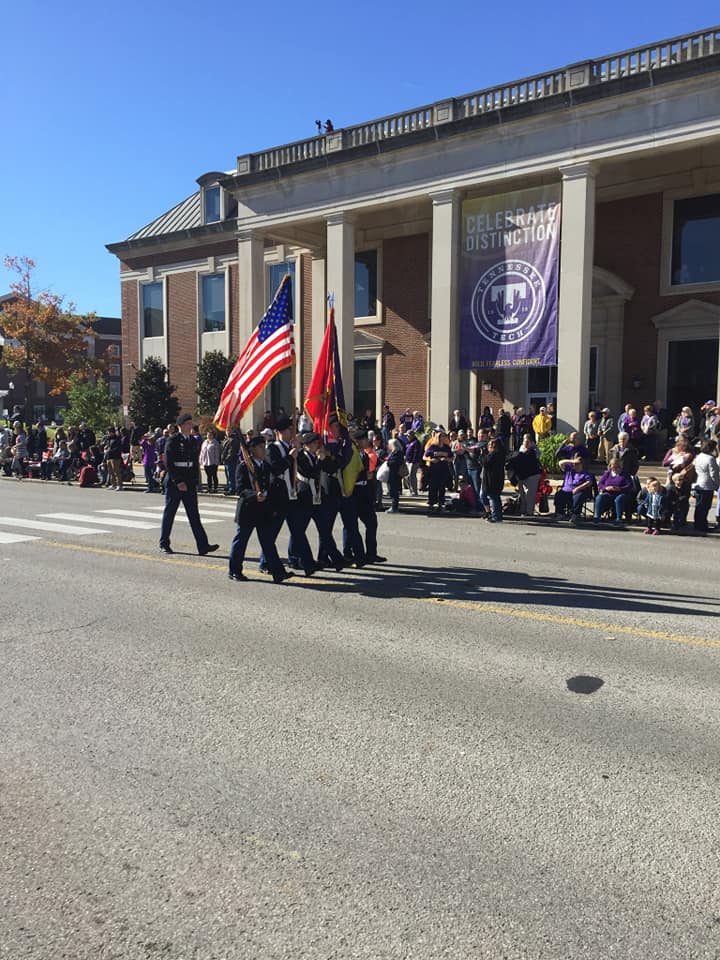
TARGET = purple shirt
x,y
622,481
573,479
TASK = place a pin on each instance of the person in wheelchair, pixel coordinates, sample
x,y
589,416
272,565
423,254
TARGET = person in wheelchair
x,y
615,489
578,486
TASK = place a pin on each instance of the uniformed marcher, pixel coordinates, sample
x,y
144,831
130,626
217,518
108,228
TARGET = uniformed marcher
x,y
338,452
256,510
181,485
310,460
364,496
281,458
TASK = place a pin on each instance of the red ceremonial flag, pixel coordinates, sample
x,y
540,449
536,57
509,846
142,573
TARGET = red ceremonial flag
x,y
325,393
270,349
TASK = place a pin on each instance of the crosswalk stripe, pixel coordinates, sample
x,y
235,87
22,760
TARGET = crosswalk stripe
x,y
50,527
212,513
14,537
108,521
144,515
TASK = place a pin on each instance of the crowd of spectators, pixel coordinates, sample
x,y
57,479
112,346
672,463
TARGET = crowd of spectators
x,y
461,468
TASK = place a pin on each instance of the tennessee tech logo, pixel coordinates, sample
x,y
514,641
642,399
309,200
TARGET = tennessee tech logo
x,y
508,301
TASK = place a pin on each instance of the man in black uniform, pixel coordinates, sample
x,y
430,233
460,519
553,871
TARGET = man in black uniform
x,y
315,493
256,510
282,460
364,496
181,483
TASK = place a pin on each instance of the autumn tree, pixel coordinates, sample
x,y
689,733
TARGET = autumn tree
x,y
213,371
152,400
43,338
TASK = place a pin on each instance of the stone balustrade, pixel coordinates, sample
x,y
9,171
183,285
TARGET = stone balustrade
x,y
647,59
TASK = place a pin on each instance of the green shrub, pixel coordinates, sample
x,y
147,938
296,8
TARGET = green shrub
x,y
548,448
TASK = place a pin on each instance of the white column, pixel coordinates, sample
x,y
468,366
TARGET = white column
x,y
575,306
341,284
251,294
319,305
444,357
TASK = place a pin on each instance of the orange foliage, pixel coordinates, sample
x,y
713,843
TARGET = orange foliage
x,y
49,341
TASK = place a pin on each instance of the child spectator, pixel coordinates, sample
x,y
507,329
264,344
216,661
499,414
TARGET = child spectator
x,y
655,507
678,500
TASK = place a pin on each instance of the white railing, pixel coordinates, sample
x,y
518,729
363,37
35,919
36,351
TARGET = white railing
x,y
646,59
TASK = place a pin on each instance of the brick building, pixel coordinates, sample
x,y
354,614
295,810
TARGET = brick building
x,y
378,215
39,403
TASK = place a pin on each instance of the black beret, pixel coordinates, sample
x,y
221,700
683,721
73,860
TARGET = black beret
x,y
283,423
254,441
183,418
310,436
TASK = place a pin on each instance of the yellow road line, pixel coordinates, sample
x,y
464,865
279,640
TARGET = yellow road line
x,y
175,561
609,628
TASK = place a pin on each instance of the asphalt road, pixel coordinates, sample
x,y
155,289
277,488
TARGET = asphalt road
x,y
384,763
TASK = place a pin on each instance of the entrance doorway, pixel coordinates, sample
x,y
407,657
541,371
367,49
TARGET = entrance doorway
x,y
692,373
541,387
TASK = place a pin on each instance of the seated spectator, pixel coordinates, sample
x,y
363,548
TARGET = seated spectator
x,y
465,501
678,500
679,459
615,488
577,487
62,458
573,448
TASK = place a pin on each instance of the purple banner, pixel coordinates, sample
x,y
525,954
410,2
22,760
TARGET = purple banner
x,y
509,279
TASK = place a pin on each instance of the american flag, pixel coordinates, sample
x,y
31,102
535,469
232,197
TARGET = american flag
x,y
270,349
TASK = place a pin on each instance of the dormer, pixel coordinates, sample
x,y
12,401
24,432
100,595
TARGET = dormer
x,y
215,203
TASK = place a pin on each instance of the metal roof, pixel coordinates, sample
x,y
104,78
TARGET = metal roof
x,y
184,216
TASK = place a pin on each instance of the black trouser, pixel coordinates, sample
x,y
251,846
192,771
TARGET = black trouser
x,y
368,517
298,518
266,533
211,471
188,498
324,515
352,541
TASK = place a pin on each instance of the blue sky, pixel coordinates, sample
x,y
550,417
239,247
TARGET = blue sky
x,y
111,113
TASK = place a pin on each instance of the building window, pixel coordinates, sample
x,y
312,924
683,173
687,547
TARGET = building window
x,y
212,204
152,308
114,350
365,387
366,283
696,240
114,370
115,390
274,275
213,303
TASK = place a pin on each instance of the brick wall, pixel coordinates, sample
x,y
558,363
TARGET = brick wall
x,y
182,334
628,236
406,311
129,330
